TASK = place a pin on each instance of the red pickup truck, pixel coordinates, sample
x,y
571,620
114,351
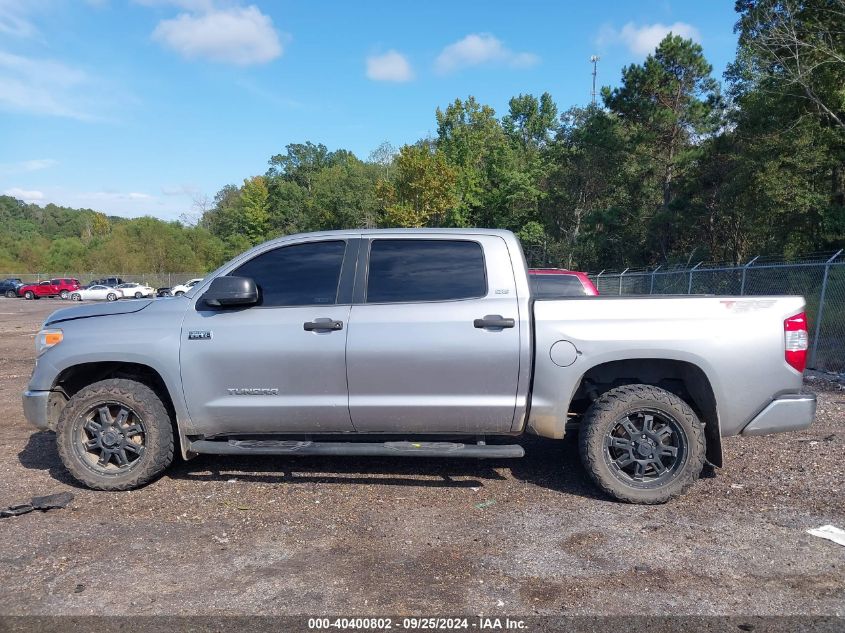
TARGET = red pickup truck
x,y
52,288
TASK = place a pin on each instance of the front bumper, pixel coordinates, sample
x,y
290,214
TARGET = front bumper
x,y
42,408
786,413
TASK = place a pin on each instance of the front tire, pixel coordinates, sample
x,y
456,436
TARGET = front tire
x,y
179,293
76,297
642,444
29,295
111,297
115,435
139,295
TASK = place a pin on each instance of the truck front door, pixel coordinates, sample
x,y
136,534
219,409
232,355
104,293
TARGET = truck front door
x,y
280,366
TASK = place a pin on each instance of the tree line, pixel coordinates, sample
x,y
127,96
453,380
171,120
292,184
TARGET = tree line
x,y
671,166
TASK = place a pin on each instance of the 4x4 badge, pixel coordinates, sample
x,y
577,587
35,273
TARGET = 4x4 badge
x,y
198,335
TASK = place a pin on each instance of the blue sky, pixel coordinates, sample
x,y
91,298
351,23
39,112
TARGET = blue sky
x,y
138,107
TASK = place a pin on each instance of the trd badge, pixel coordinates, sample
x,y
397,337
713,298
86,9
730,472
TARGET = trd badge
x,y
199,335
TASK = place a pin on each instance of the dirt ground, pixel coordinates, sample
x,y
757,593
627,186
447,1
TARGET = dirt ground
x,y
357,536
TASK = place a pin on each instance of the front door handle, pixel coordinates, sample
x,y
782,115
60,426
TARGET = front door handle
x,y
494,321
322,325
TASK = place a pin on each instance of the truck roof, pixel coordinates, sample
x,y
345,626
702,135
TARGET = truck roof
x,y
370,232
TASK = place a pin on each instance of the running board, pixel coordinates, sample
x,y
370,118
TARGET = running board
x,y
368,449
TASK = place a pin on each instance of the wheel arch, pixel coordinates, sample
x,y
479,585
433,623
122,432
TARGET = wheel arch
x,y
76,377
685,379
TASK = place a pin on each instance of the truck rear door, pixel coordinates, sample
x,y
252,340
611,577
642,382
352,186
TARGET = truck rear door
x,y
434,335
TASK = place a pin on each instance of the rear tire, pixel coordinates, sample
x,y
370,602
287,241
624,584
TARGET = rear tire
x,y
11,294
115,435
139,295
64,295
75,297
642,444
111,297
179,293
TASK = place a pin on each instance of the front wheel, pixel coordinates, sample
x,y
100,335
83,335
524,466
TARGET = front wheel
x,y
179,293
642,444
115,435
111,297
29,295
139,295
76,297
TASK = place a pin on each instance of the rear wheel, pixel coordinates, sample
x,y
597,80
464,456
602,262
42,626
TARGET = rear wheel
x,y
139,295
10,294
76,297
111,297
179,293
642,444
64,294
115,435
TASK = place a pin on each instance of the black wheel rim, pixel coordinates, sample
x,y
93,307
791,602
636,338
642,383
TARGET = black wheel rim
x,y
645,448
110,438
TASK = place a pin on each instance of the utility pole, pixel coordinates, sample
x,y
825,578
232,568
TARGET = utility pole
x,y
594,60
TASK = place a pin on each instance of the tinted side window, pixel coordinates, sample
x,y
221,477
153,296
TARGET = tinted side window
x,y
298,275
425,270
553,286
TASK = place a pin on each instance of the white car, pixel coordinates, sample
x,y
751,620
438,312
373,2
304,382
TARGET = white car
x,y
136,290
96,292
181,289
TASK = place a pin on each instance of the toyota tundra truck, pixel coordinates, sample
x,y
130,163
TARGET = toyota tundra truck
x,y
414,343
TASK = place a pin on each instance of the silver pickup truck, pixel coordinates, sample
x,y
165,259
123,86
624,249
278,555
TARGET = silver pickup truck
x,y
421,343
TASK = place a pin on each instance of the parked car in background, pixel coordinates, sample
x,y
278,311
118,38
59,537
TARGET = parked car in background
x,y
114,282
138,291
163,292
9,287
38,290
181,289
65,286
554,283
96,292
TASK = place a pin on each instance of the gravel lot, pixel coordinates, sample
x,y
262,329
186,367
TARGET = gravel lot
x,y
391,536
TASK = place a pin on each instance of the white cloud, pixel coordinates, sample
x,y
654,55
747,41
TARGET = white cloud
x,y
481,48
27,165
643,40
24,194
43,86
235,35
392,66
13,19
115,195
184,189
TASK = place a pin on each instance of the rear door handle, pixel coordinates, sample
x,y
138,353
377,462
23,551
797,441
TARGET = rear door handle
x,y
494,321
328,325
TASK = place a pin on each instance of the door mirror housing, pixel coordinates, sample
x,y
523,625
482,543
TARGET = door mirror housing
x,y
226,292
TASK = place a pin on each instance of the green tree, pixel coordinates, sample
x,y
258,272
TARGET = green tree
x,y
253,217
423,190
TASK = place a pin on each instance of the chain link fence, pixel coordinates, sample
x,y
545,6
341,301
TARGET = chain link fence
x,y
820,279
156,280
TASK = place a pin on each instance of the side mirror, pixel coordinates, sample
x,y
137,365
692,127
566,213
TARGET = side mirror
x,y
227,292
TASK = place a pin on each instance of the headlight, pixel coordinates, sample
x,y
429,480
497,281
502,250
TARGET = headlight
x,y
46,339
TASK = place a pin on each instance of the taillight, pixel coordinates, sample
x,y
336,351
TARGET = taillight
x,y
796,341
